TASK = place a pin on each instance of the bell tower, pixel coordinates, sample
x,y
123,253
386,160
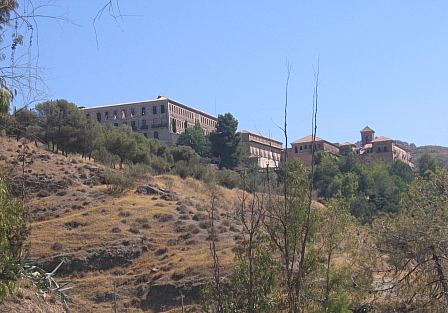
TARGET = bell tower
x,y
367,135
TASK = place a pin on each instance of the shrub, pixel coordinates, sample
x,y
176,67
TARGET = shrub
x,y
13,232
117,182
229,179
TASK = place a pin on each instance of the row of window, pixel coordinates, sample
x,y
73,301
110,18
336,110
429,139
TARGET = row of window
x,y
134,127
307,147
186,113
124,113
181,111
264,153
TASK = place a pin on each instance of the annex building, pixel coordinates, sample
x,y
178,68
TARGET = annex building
x,y
260,150
369,148
162,118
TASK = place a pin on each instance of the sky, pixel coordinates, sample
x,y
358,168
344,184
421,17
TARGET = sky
x,y
383,63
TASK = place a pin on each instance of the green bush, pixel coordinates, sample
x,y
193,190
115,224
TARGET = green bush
x,y
228,178
117,182
13,232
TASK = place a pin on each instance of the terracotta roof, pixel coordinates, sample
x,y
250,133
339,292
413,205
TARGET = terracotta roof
x,y
307,139
347,144
380,139
367,129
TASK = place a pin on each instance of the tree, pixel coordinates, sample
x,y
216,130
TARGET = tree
x,y
426,164
226,142
415,245
196,139
63,124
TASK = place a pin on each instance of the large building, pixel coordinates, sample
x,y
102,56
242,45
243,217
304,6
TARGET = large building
x,y
381,148
163,118
370,148
302,148
260,150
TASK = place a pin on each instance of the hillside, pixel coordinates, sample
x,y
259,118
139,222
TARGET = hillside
x,y
151,246
438,152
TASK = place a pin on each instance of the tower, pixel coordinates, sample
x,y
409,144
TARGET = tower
x,y
367,135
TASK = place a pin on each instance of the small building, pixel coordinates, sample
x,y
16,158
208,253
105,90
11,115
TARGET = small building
x,y
302,148
162,118
260,150
347,147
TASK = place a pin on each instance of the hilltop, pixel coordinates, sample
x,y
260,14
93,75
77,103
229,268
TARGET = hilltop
x,y
150,241
440,153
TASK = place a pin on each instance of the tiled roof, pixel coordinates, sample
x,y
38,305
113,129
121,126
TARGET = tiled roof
x,y
381,139
367,129
347,144
307,139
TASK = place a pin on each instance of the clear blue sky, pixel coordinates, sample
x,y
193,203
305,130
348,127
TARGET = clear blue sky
x,y
383,63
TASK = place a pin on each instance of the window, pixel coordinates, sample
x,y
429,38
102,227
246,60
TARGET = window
x,y
115,115
385,149
162,108
132,112
143,111
88,115
185,125
116,124
156,135
145,134
133,125
305,147
296,150
98,117
173,125
154,110
123,114
144,126
106,115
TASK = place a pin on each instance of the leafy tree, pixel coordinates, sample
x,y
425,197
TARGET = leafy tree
x,y
226,142
196,139
63,124
415,244
23,123
426,165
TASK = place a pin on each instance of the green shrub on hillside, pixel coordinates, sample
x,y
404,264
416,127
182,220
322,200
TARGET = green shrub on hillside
x,y
13,232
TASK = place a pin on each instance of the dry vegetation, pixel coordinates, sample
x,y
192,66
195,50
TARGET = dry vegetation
x,y
149,246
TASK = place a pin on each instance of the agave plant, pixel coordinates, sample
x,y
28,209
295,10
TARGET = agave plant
x,y
45,281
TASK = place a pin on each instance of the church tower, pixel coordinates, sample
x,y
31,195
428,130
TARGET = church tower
x,y
367,135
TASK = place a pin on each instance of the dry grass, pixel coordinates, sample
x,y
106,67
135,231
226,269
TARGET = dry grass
x,y
81,218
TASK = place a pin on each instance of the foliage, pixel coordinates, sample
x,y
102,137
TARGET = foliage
x,y
196,139
117,182
13,232
371,189
427,164
415,242
235,298
228,178
225,142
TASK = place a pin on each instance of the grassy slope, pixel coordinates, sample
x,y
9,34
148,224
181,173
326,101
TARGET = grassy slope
x,y
97,213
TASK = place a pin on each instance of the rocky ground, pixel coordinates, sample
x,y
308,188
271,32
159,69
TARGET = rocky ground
x,y
150,241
